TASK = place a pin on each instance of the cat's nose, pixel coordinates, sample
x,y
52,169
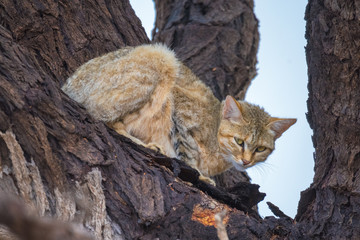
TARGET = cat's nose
x,y
245,162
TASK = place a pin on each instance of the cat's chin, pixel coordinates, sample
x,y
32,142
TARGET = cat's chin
x,y
239,167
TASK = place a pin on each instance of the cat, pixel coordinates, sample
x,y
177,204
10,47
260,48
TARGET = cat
x,y
148,95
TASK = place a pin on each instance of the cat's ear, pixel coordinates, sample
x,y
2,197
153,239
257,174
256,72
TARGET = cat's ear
x,y
232,109
280,125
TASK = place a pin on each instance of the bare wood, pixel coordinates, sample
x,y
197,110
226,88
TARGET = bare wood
x,y
220,227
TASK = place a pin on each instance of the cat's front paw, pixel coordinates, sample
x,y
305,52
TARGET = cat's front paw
x,y
155,147
207,180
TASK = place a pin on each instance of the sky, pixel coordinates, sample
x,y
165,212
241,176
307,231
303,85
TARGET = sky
x,y
281,88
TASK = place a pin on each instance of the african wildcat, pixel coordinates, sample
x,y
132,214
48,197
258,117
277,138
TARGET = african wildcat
x,y
147,94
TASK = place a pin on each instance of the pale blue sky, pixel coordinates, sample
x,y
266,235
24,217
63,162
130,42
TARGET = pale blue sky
x,y
281,88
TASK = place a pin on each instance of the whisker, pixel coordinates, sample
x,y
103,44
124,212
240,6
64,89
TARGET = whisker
x,y
262,170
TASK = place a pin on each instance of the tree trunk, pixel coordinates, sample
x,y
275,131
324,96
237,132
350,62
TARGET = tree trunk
x,y
331,204
218,41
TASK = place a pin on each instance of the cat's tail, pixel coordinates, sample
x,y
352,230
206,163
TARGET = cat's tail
x,y
119,83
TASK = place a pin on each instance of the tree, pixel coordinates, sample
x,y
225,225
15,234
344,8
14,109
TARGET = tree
x,y
65,164
331,205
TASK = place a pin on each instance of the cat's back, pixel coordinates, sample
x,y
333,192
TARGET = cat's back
x,y
120,82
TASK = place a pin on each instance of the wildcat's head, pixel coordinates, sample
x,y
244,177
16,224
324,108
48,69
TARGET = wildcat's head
x,y
247,133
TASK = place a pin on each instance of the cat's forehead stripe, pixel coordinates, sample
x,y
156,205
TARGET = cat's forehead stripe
x,y
250,138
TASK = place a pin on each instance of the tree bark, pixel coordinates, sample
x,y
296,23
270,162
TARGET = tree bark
x,y
331,204
218,41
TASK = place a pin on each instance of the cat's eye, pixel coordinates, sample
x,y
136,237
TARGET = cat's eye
x,y
239,141
260,149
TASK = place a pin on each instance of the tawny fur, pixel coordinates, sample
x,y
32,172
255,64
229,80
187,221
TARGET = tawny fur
x,y
147,94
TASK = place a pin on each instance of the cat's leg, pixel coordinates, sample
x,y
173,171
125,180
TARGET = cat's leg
x,y
207,179
152,122
119,127
194,163
160,136
202,177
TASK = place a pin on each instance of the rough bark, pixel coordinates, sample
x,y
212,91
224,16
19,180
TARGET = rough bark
x,y
218,40
49,146
331,204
